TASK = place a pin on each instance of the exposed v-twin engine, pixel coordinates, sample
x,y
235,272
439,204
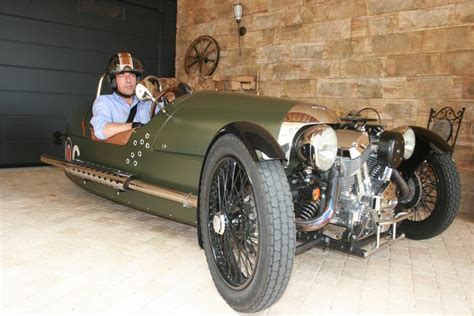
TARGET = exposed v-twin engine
x,y
366,194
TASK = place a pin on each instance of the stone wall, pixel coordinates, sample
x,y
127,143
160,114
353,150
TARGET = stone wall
x,y
401,57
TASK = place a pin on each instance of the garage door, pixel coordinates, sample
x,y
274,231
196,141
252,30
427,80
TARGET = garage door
x,y
52,53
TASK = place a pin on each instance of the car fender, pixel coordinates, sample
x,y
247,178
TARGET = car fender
x,y
427,142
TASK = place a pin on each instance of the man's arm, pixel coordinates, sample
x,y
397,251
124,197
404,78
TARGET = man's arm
x,y
102,120
110,129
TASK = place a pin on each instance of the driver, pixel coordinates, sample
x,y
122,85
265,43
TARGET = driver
x,y
122,110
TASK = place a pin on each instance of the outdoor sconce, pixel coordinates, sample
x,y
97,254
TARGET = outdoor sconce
x,y
238,18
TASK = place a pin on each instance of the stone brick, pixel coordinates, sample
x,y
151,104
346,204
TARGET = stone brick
x,y
338,49
266,21
247,56
290,34
271,88
307,51
413,65
423,4
337,29
229,42
367,67
298,88
457,63
255,6
222,10
247,69
376,7
369,88
418,19
293,16
396,88
465,12
436,87
458,38
288,71
351,9
258,38
337,88
361,46
281,4
383,24
313,13
319,68
396,110
394,44
273,54
468,88
359,27
201,15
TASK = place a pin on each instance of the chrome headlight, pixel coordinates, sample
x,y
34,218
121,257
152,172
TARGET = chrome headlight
x,y
318,146
409,138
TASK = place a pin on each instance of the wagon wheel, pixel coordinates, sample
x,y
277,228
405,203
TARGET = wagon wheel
x,y
202,56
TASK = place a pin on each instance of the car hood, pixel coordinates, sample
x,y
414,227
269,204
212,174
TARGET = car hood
x,y
194,120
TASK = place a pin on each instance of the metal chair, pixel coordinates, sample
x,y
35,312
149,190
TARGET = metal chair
x,y
446,123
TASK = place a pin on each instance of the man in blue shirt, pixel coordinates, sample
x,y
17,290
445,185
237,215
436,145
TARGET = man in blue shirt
x,y
121,110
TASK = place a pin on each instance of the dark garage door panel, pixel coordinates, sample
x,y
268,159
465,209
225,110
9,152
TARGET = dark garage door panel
x,y
39,104
53,53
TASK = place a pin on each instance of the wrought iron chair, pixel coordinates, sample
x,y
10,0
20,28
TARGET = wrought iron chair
x,y
446,123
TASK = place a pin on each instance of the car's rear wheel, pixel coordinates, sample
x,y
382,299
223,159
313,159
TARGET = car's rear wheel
x,y
436,198
247,223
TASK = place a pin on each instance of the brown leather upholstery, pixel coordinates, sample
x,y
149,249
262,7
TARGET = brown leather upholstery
x,y
118,139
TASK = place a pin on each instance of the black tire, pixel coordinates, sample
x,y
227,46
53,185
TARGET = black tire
x,y
437,197
258,226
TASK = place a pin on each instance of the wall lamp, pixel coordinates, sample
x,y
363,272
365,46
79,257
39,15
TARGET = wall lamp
x,y
238,18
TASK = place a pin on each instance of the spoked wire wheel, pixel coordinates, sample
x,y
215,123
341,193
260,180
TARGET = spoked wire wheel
x,y
233,223
246,220
435,202
426,187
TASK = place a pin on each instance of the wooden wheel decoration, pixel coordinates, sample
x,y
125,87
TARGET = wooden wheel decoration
x,y
202,56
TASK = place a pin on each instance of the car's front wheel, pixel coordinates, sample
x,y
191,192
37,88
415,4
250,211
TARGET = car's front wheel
x,y
247,224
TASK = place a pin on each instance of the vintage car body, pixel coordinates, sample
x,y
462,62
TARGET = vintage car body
x,y
266,178
172,155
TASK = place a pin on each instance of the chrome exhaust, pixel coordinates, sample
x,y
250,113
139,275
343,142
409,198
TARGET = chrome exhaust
x,y
329,210
118,180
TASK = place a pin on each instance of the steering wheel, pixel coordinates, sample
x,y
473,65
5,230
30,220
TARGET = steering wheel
x,y
157,98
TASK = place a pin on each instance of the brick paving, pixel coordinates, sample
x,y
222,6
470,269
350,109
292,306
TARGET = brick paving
x,y
65,250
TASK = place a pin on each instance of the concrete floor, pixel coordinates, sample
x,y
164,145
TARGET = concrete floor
x,y
65,250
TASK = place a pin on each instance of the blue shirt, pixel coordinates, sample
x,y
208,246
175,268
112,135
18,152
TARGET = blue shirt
x,y
112,108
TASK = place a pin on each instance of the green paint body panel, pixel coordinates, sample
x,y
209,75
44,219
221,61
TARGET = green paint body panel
x,y
169,151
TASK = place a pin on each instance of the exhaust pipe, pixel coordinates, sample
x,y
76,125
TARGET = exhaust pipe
x,y
118,180
329,210
401,185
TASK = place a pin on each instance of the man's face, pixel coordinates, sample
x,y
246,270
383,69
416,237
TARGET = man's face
x,y
126,83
